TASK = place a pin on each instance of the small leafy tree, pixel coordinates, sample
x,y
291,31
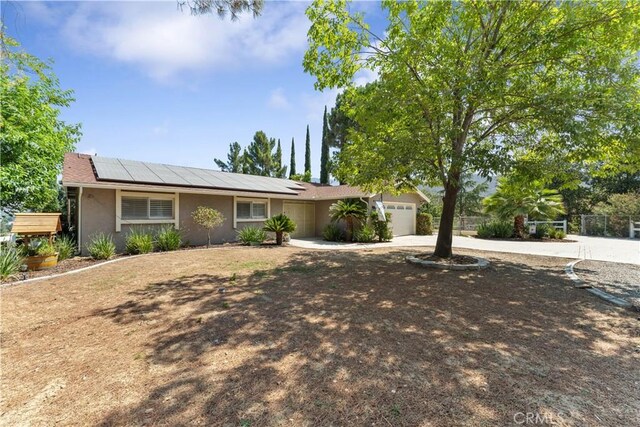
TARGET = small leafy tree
x,y
207,218
279,224
515,198
349,211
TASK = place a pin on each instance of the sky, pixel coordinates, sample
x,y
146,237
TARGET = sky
x,y
157,84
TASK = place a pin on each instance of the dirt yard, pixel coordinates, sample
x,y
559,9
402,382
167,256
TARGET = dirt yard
x,y
289,337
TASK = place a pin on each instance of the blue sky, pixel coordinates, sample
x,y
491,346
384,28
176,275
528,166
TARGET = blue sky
x,y
156,84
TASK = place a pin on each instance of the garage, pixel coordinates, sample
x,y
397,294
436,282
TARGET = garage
x,y
304,215
403,218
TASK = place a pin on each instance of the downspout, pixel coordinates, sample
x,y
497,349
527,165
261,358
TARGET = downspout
x,y
79,220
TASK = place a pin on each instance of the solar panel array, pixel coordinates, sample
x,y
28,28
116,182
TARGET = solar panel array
x,y
109,169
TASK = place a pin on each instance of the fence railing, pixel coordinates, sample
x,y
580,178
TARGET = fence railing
x,y
558,225
634,228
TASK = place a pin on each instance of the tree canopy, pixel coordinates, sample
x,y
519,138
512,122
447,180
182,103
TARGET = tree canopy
x,y
223,7
234,161
324,152
33,138
473,86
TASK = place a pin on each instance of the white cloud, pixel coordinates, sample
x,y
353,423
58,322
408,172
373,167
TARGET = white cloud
x,y
314,103
164,41
278,100
90,151
365,76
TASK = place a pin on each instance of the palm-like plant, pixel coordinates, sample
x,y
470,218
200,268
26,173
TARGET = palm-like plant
x,y
515,199
348,210
279,224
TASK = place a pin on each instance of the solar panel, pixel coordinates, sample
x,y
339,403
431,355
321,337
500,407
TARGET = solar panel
x,y
152,173
110,169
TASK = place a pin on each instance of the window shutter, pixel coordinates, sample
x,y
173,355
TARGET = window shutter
x,y
161,208
134,208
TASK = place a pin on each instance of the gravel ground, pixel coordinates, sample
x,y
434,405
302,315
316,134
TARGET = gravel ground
x,y
621,280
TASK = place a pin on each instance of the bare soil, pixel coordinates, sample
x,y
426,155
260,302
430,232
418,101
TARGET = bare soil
x,y
288,337
454,259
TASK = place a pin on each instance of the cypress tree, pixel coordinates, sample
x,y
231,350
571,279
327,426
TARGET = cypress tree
x,y
324,156
292,163
307,154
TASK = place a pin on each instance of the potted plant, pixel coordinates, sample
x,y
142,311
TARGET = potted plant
x,y
40,255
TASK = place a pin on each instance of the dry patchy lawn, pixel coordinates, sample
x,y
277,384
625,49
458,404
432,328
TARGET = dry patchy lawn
x,y
304,338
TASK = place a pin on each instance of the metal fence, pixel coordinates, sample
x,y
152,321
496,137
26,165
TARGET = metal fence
x,y
609,226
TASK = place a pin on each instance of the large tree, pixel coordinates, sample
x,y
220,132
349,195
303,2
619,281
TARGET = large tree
x,y
234,159
472,85
279,171
260,157
33,138
307,153
324,154
292,162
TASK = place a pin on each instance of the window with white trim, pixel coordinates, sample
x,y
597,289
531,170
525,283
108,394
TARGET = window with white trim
x,y
251,210
141,208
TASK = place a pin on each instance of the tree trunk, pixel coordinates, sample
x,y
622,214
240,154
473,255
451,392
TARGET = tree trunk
x,y
349,231
279,238
518,226
445,232
208,238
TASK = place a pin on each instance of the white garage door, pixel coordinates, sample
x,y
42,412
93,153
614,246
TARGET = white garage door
x,y
304,215
403,218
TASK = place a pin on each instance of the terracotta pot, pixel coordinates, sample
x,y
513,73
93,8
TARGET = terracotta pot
x,y
38,262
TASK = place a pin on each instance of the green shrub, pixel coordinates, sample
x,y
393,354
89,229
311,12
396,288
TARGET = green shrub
x,y
424,224
332,233
279,224
10,261
495,230
138,242
364,234
543,230
384,233
251,234
45,249
168,239
66,247
101,246
560,235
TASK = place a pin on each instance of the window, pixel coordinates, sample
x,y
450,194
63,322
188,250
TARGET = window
x,y
250,210
142,208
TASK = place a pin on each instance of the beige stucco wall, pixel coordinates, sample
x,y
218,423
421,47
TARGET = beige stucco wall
x,y
99,213
99,209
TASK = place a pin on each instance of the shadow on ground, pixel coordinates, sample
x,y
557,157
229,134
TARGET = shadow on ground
x,y
361,338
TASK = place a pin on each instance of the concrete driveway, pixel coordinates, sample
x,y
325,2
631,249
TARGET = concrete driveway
x,y
582,247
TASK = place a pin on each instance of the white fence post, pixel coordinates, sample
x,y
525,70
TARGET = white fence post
x,y
632,233
583,226
564,226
